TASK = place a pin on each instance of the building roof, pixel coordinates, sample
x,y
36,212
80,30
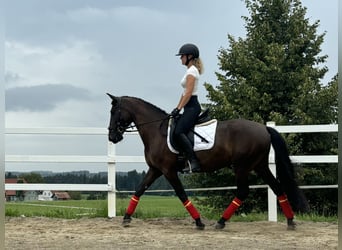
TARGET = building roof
x,y
12,181
62,195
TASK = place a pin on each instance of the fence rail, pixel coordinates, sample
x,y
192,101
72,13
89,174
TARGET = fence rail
x,y
111,159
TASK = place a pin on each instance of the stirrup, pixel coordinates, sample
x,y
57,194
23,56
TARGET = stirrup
x,y
190,169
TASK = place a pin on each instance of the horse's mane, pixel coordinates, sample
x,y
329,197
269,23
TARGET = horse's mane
x,y
148,103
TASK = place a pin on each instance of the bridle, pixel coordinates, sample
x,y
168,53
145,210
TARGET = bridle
x,y
122,127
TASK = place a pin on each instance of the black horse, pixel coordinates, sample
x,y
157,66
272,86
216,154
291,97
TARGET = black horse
x,y
240,144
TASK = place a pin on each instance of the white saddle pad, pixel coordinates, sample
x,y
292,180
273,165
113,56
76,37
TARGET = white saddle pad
x,y
207,130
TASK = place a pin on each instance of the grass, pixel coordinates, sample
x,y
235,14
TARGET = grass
x,y
149,207
155,206
57,209
314,217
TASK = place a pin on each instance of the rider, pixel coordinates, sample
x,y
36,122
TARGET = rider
x,y
189,55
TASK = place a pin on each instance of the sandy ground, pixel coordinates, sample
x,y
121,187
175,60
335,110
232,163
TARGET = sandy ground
x,y
101,233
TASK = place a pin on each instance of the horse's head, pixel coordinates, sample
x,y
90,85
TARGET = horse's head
x,y
120,119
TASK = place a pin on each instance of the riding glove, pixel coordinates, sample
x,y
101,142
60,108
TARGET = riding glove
x,y
175,112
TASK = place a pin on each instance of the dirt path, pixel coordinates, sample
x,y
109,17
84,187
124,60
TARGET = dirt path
x,y
100,233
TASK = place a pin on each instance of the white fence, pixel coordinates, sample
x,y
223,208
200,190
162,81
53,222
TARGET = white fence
x,y
112,158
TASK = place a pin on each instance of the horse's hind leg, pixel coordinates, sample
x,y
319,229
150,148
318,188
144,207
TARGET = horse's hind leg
x,y
274,184
151,175
241,195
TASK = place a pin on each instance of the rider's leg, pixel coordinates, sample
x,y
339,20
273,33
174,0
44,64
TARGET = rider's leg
x,y
187,121
185,145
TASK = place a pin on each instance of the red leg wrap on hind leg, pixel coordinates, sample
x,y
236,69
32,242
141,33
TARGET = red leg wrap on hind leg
x,y
234,205
285,206
191,209
132,205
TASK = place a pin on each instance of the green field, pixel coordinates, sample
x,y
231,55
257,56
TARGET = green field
x,y
149,207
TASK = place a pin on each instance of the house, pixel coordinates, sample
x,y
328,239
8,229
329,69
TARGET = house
x,y
14,195
53,195
31,195
46,196
61,196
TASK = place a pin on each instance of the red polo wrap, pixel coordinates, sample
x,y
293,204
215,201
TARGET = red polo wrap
x,y
234,205
132,205
285,206
191,209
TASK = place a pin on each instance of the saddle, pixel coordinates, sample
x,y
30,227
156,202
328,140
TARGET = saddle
x,y
202,120
203,117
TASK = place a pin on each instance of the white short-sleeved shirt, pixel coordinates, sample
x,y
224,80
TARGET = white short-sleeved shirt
x,y
192,70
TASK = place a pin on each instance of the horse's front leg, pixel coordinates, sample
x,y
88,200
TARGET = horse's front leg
x,y
151,175
177,185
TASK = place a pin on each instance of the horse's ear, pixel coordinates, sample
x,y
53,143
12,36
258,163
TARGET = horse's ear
x,y
114,99
111,96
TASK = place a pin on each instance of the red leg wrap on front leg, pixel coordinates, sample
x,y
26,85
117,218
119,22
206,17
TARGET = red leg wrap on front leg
x,y
132,205
191,209
234,205
285,206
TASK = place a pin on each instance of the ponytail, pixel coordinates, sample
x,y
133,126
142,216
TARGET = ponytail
x,y
199,65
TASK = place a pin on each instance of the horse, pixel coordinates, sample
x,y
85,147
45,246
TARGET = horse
x,y
240,144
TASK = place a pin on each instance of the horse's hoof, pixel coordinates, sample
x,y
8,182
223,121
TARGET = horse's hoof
x,y
219,225
199,225
126,222
291,225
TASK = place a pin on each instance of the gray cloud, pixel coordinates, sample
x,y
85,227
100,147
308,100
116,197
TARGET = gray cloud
x,y
42,97
11,77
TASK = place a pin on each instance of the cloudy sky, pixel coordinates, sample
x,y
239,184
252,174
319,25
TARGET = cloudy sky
x,y
61,57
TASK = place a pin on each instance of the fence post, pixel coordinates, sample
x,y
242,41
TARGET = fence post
x,y
111,181
272,199
2,132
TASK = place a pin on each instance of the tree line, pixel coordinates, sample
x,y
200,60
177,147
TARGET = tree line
x,y
125,181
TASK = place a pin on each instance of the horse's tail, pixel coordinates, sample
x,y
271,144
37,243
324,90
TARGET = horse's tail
x,y
285,172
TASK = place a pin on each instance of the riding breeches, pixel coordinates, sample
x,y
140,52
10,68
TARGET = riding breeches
x,y
188,119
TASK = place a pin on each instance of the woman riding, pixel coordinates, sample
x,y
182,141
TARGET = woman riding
x,y
189,55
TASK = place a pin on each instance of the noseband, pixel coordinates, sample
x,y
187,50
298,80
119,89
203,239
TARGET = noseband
x,y
120,128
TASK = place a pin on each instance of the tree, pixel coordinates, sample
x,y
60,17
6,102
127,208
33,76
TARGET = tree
x,y
32,177
275,74
20,193
9,175
75,195
134,179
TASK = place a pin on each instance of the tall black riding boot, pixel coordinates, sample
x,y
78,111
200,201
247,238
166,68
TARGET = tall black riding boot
x,y
186,146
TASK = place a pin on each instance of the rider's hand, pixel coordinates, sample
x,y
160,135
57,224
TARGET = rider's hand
x,y
175,112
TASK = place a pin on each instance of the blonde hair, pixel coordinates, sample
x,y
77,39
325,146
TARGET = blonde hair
x,y
199,65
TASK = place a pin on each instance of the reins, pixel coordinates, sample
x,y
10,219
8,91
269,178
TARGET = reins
x,y
130,127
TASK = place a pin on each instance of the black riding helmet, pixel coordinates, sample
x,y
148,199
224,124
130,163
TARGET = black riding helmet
x,y
189,49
